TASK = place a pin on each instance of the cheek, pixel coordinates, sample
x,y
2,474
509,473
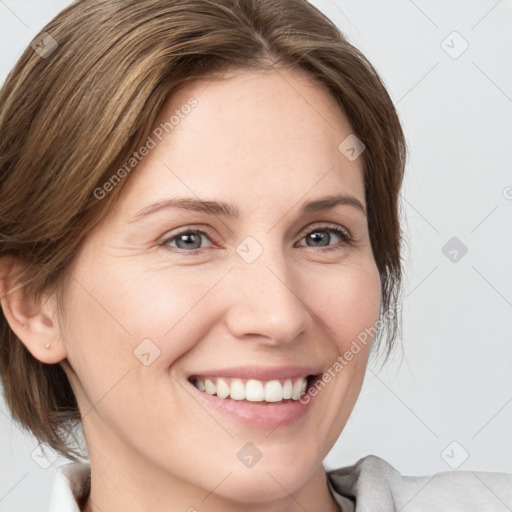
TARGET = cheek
x,y
121,310
347,302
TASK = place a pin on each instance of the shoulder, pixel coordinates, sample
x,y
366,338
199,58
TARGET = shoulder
x,y
71,487
374,484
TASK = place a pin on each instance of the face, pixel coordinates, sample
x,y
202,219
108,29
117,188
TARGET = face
x,y
169,297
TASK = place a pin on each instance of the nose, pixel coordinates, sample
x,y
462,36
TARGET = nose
x,y
265,302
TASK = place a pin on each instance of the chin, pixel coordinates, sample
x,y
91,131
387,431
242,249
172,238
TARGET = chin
x,y
279,472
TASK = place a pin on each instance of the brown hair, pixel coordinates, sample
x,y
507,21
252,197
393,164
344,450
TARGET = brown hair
x,y
69,119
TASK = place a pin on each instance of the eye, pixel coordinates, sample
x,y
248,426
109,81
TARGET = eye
x,y
322,236
187,240
191,240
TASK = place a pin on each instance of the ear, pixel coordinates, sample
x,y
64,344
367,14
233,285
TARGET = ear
x,y
34,322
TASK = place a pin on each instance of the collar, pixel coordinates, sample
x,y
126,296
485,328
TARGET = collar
x,y
71,487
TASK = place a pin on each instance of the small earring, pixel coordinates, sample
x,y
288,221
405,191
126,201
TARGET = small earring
x,y
47,345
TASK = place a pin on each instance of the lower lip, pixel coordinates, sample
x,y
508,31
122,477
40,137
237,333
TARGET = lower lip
x,y
257,414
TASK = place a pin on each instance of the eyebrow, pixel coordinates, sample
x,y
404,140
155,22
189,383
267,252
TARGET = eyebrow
x,y
220,208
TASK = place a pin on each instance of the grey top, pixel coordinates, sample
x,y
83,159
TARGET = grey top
x,y
374,485
369,485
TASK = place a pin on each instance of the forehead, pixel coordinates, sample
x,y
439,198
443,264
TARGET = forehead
x,y
249,132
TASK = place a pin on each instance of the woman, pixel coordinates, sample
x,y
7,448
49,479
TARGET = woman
x,y
200,250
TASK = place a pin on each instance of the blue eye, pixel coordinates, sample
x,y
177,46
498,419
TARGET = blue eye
x,y
191,240
322,236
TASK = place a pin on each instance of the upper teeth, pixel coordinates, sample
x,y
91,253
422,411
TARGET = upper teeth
x,y
252,389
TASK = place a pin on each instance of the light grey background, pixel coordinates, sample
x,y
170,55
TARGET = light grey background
x,y
446,401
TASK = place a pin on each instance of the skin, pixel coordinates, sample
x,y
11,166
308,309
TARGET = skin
x,y
266,142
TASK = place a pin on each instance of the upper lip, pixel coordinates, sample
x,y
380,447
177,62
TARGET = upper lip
x,y
260,372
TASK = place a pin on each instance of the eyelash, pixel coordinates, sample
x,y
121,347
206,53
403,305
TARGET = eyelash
x,y
333,228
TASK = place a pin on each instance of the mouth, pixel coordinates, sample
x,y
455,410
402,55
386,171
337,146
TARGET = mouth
x,y
272,391
257,397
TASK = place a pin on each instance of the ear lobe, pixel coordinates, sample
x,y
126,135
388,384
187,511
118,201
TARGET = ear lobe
x,y
34,322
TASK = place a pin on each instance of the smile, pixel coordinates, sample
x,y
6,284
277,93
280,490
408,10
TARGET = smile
x,y
252,390
257,396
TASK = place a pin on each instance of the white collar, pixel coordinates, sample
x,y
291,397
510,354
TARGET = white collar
x,y
71,485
